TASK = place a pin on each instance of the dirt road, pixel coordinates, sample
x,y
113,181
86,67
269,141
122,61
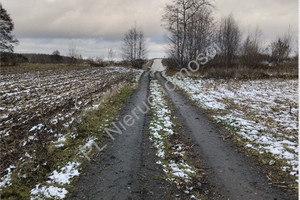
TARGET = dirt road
x,y
127,169
157,66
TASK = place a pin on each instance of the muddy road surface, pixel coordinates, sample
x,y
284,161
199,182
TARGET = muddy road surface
x,y
127,168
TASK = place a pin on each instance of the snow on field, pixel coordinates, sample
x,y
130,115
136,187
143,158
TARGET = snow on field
x,y
161,128
66,173
263,112
45,103
50,192
64,176
5,180
26,96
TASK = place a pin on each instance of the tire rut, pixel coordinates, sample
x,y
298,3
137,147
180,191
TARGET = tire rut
x,y
113,174
127,168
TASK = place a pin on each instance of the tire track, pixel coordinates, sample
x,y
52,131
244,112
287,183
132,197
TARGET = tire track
x,y
127,168
113,174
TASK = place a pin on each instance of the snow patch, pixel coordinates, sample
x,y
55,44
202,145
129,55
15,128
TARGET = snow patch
x,y
67,173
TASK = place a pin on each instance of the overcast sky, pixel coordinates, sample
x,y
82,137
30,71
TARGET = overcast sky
x,y
94,26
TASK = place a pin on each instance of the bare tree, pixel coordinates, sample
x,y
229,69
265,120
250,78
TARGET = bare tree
x,y
296,49
199,33
228,39
134,45
186,22
281,47
280,50
251,49
142,49
110,55
73,53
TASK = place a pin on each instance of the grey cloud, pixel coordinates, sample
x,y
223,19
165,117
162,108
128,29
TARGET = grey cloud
x,y
97,25
84,18
273,17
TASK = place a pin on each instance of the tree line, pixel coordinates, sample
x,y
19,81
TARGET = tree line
x,y
191,28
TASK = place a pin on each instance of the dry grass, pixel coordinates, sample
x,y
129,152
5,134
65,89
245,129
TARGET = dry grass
x,y
284,70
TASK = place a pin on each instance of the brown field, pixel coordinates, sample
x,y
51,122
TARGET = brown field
x,y
38,102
